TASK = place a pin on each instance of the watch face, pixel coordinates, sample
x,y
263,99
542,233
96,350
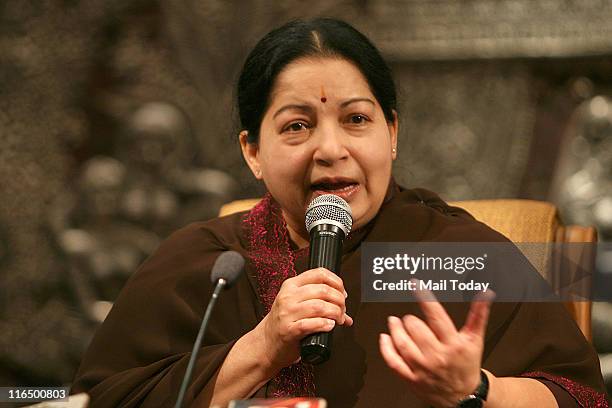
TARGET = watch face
x,y
474,402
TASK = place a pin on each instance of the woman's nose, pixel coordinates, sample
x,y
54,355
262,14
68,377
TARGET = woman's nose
x,y
330,147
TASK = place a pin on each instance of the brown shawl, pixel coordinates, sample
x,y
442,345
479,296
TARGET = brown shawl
x,y
139,354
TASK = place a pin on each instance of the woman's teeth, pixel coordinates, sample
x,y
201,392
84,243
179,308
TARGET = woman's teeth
x,y
344,190
333,187
347,187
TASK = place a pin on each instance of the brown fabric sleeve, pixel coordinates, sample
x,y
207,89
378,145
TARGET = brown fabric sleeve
x,y
156,384
569,393
564,399
541,340
139,355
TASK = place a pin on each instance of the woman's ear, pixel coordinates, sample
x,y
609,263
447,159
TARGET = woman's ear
x,y
250,152
393,130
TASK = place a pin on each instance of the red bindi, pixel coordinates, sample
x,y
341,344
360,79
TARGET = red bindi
x,y
323,99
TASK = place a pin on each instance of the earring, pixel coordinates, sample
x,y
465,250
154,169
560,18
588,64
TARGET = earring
x,y
258,173
394,150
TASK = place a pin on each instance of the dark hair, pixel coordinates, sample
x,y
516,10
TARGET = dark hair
x,y
306,38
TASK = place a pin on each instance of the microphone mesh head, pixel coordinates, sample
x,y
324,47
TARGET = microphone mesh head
x,y
228,266
329,209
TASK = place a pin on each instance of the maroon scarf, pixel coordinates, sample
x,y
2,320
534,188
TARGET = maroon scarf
x,y
273,259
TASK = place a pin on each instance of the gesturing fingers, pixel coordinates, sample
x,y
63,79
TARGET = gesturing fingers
x,y
478,316
437,318
404,344
393,359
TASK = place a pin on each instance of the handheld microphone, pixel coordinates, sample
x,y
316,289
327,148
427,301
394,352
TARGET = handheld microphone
x,y
225,271
328,220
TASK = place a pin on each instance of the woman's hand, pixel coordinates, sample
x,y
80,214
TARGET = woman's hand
x,y
440,363
309,303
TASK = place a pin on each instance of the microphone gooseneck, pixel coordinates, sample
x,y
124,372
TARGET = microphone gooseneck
x,y
225,272
329,221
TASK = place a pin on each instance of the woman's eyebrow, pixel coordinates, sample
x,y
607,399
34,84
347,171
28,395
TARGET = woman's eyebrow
x,y
306,108
353,100
310,109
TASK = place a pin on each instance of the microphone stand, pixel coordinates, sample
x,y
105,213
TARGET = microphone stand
x,y
196,346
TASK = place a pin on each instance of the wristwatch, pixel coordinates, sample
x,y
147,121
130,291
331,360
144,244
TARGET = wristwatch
x,y
477,398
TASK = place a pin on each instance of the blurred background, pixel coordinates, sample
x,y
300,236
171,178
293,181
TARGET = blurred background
x,y
117,127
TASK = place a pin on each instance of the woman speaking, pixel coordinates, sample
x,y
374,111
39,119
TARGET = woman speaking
x,y
318,115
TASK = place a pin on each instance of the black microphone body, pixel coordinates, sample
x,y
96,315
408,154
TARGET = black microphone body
x,y
326,247
325,251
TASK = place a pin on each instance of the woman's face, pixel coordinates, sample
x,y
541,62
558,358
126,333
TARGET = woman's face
x,y
324,132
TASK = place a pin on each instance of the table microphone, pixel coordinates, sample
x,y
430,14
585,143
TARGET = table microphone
x,y
225,271
328,220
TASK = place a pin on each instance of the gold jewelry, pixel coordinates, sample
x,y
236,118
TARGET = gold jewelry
x,y
394,150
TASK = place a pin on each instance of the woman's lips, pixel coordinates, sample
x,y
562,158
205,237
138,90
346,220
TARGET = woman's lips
x,y
343,190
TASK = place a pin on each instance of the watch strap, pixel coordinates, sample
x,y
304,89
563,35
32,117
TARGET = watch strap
x,y
478,396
